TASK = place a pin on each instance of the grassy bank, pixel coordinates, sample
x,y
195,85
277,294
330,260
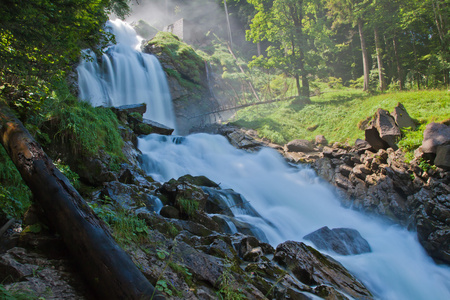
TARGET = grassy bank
x,y
337,113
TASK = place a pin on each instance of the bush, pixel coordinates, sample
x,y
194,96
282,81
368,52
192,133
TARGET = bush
x,y
15,196
85,129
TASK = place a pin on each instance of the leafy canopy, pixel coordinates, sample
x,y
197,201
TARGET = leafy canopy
x,y
43,38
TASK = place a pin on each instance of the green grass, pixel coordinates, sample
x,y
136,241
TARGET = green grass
x,y
85,129
15,196
336,114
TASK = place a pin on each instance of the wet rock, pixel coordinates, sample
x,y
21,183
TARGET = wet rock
x,y
145,126
343,241
242,141
313,268
433,229
170,212
185,196
402,117
95,170
199,181
11,270
123,111
300,146
126,196
222,249
204,267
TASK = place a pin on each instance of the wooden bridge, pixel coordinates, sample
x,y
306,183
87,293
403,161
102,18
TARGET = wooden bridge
x,y
235,107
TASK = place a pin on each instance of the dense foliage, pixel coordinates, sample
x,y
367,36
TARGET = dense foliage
x,y
40,41
404,44
43,38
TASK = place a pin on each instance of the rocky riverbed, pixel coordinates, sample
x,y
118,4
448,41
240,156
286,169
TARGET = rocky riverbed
x,y
187,248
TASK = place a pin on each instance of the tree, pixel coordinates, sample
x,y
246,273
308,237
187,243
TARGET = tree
x,y
42,38
106,267
353,12
286,24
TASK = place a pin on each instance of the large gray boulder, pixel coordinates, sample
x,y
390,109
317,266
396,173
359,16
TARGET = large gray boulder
x,y
314,268
386,127
343,241
435,134
442,159
372,136
300,146
402,118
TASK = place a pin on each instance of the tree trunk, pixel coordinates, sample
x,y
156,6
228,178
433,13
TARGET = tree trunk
x,y
399,66
365,56
228,23
297,84
106,267
416,61
382,81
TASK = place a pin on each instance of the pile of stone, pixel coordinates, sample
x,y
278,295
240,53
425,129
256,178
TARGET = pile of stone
x,y
373,176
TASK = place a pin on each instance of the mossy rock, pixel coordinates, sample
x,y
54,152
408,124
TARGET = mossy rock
x,y
198,180
177,57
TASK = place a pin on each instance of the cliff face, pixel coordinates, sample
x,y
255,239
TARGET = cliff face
x,y
187,77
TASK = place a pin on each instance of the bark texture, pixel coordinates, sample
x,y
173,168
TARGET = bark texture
x,y
107,268
365,56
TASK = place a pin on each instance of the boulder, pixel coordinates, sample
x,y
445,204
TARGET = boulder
x,y
435,134
242,141
362,145
442,159
372,137
343,241
321,140
402,117
95,170
123,111
145,126
300,146
433,230
386,127
314,268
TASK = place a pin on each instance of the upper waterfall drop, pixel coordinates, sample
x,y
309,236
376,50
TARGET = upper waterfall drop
x,y
124,75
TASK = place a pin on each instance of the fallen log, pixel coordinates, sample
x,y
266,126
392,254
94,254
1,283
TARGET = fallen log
x,y
106,267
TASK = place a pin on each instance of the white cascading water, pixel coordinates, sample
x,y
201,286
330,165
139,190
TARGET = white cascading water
x,y
126,76
294,201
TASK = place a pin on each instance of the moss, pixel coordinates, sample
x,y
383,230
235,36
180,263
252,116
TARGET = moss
x,y
145,128
83,129
15,196
189,66
187,206
137,116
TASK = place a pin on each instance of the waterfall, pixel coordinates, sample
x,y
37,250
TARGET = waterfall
x,y
290,201
124,76
296,202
